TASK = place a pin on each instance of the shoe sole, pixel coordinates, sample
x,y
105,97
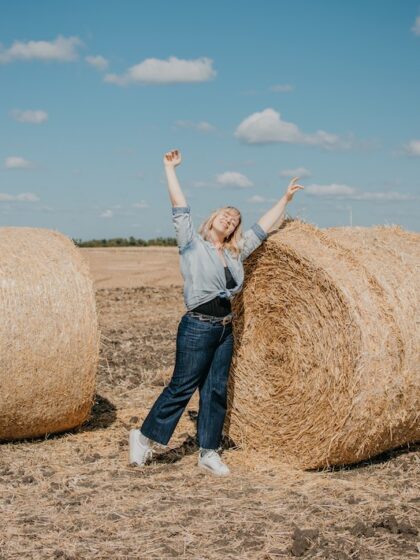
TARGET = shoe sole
x,y
214,473
131,446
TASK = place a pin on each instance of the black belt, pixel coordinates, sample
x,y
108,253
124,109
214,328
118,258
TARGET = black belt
x,y
210,319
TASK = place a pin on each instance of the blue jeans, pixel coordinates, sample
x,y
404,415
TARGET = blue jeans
x,y
203,358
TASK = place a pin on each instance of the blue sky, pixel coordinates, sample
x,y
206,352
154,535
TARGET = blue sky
x,y
93,93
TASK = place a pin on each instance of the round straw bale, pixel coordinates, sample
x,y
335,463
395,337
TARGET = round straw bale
x,y
326,365
49,339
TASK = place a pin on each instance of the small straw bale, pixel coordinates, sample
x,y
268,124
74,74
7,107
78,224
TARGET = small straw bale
x,y
49,337
326,365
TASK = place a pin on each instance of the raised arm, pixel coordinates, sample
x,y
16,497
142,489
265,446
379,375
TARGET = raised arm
x,y
273,218
181,215
171,160
254,236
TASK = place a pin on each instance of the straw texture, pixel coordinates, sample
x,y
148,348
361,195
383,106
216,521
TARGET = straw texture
x,y
326,366
49,339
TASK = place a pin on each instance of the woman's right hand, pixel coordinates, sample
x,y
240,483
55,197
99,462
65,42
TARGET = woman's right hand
x,y
172,159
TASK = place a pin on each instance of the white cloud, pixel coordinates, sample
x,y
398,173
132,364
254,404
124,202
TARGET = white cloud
x,y
335,190
391,195
63,49
416,27
412,148
23,197
268,127
256,199
297,172
17,162
30,116
107,214
201,184
282,88
171,71
201,126
98,62
141,204
330,190
233,179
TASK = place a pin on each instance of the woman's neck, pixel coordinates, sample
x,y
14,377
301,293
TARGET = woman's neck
x,y
216,239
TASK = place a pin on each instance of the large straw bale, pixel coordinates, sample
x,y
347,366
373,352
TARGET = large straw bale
x,y
326,366
49,339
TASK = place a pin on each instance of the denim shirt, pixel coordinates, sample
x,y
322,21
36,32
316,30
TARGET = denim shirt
x,y
202,268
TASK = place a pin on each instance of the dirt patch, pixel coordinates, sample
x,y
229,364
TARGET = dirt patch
x,y
130,267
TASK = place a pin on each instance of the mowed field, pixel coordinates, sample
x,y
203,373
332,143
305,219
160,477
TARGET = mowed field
x,y
74,495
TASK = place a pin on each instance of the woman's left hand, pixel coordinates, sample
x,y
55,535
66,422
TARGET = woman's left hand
x,y
292,188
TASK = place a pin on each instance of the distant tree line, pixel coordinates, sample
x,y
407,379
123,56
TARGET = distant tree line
x,y
127,242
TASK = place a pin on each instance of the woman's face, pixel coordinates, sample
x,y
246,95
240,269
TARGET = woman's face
x,y
226,221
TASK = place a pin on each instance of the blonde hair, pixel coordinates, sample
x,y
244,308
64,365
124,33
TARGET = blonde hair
x,y
232,242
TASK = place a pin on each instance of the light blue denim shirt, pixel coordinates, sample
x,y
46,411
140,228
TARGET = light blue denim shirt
x,y
202,268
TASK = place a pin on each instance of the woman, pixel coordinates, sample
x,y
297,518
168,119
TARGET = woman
x,y
211,264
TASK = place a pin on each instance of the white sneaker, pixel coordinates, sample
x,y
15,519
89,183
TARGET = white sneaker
x,y
210,460
139,453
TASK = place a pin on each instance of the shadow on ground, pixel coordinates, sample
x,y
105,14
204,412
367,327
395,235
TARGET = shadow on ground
x,y
103,414
377,460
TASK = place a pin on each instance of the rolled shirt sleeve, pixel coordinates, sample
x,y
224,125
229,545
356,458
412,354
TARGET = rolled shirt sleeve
x,y
252,239
184,229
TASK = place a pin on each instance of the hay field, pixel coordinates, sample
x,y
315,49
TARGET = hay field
x,y
74,496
